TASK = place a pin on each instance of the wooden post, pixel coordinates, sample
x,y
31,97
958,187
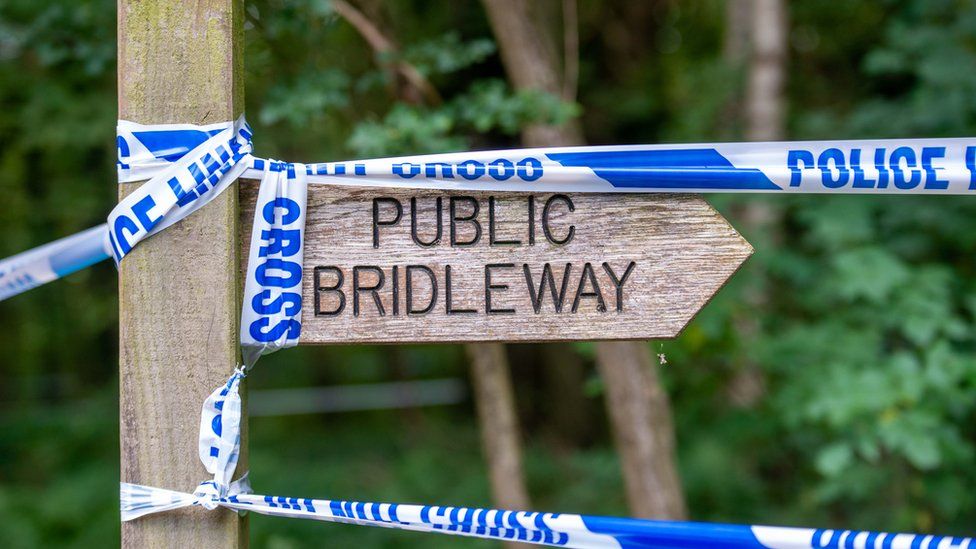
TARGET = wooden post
x,y
179,61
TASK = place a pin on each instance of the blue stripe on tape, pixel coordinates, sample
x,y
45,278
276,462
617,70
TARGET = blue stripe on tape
x,y
336,507
667,169
123,149
171,145
632,533
79,256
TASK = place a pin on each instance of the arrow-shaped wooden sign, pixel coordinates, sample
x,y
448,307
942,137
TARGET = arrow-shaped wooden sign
x,y
400,265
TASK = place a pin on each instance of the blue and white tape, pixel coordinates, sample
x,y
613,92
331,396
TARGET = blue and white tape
x,y
272,310
220,427
220,432
52,261
220,423
550,529
187,165
904,166
180,182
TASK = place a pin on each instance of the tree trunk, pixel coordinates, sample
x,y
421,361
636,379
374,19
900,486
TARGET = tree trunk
x,y
637,405
765,121
495,401
643,429
738,27
530,59
499,423
767,71
490,375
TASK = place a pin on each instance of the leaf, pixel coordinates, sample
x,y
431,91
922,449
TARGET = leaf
x,y
870,273
833,459
304,100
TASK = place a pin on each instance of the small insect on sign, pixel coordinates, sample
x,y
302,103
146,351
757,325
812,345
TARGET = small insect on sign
x,y
407,265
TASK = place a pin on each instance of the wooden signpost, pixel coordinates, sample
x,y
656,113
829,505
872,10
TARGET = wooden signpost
x,y
382,266
398,265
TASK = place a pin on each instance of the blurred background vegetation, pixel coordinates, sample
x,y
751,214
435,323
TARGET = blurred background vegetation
x,y
861,344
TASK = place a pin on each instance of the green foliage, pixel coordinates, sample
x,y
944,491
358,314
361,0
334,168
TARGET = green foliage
x,y
487,106
445,54
332,96
874,361
308,98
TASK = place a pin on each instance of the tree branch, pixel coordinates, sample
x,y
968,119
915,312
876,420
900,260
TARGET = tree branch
x,y
382,46
570,49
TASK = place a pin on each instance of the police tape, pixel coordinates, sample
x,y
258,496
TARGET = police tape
x,y
219,447
187,166
180,182
272,306
908,166
52,261
201,161
551,529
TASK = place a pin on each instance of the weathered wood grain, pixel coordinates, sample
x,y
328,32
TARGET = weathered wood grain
x,y
683,252
179,61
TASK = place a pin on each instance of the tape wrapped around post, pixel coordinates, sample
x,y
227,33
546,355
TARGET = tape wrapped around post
x,y
182,181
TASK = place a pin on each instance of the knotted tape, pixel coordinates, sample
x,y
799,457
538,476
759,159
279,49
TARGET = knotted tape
x,y
187,167
220,432
138,500
219,451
